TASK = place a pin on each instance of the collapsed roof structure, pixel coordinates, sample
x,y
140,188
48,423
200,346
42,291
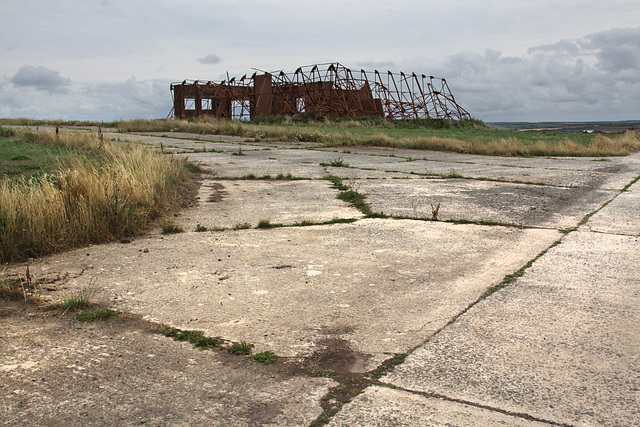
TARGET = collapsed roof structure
x,y
325,90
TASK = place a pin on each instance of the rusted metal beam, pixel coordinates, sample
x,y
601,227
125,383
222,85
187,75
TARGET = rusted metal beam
x,y
326,90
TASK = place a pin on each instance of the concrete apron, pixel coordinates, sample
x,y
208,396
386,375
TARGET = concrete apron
x,y
360,292
560,345
374,288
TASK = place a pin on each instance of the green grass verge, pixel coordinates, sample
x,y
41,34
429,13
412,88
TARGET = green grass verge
x,y
21,158
97,191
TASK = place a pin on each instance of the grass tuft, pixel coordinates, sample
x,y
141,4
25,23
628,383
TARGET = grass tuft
x,y
81,298
266,357
240,348
265,223
169,227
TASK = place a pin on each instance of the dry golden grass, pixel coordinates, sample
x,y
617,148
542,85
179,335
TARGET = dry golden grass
x,y
614,145
111,191
358,133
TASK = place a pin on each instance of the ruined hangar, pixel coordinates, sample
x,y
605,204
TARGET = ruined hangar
x,y
324,90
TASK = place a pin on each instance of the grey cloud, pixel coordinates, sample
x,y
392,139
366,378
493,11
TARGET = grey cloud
x,y
210,59
555,82
617,49
128,99
41,78
563,46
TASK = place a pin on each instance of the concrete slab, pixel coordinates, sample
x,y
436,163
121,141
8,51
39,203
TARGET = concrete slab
x,y
225,165
611,173
560,344
524,205
302,160
375,287
226,203
55,370
621,216
382,406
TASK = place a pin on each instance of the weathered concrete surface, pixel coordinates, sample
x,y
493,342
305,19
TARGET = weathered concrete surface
x,y
507,203
612,174
621,216
558,345
381,406
382,286
227,203
119,373
561,344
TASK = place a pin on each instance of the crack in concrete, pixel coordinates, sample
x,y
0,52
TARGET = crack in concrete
x,y
384,368
522,415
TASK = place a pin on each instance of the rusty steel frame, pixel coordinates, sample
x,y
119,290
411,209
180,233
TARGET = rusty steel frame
x,y
326,90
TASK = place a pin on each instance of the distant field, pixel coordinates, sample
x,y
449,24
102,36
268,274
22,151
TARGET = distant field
x,y
465,136
571,127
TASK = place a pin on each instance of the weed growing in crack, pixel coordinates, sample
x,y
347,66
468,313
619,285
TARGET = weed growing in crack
x,y
242,226
265,223
337,162
387,365
434,212
266,357
81,298
326,373
197,338
388,385
192,167
282,176
352,196
278,177
200,229
356,199
453,174
337,182
240,348
169,227
340,221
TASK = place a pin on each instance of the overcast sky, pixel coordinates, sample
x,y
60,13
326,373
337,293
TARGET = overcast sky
x,y
504,60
